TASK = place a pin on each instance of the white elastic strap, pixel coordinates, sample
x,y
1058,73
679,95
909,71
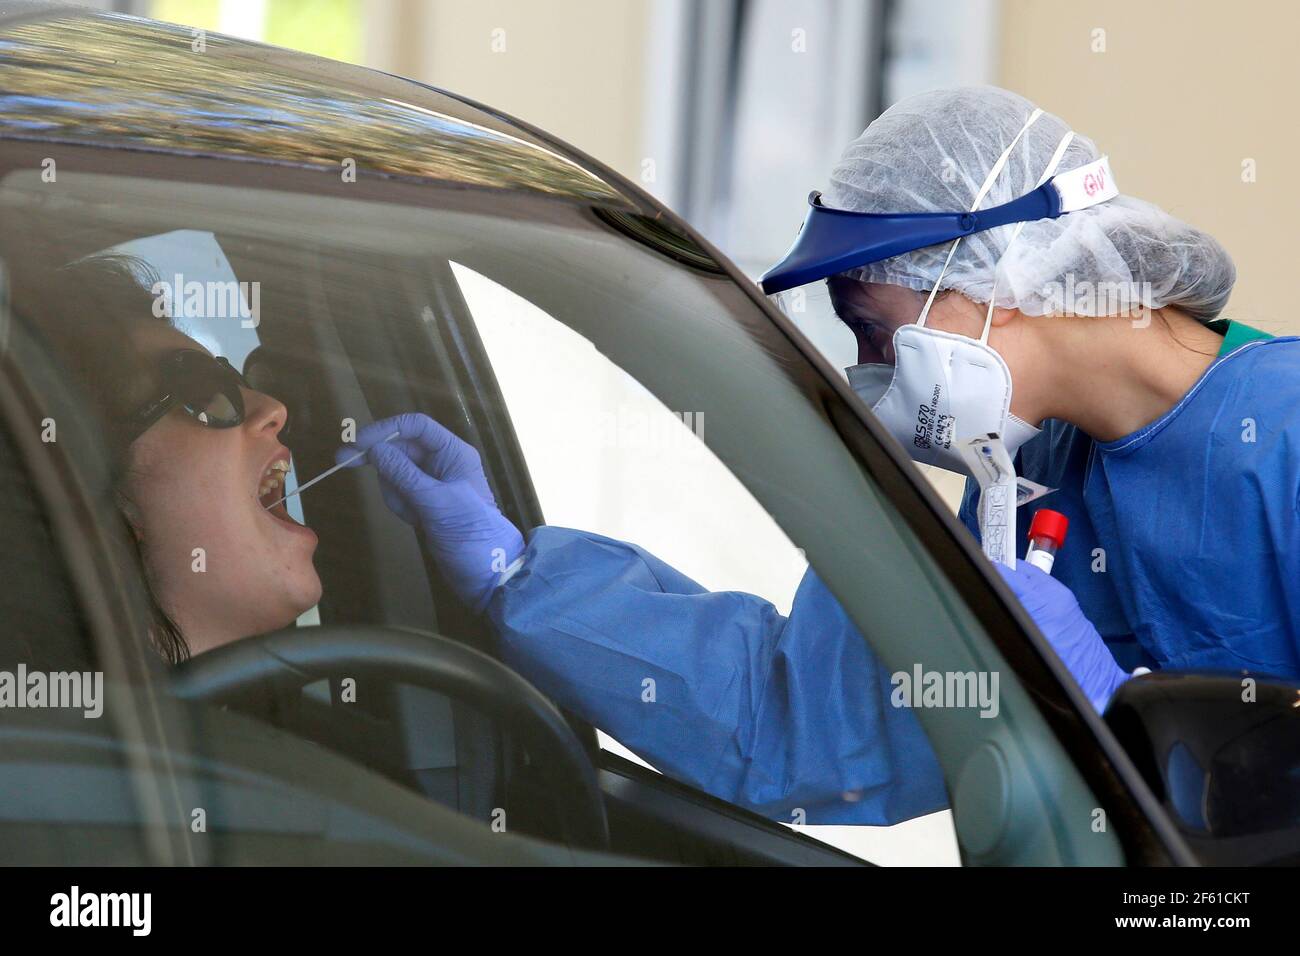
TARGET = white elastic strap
x,y
989,180
1047,174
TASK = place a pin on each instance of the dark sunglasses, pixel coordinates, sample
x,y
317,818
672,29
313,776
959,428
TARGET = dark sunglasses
x,y
205,388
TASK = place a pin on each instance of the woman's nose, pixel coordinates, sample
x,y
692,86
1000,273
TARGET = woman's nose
x,y
264,413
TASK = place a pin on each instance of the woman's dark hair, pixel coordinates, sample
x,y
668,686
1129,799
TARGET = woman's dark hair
x,y
87,309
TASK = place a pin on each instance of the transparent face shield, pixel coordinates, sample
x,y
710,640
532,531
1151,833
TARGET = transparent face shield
x,y
812,311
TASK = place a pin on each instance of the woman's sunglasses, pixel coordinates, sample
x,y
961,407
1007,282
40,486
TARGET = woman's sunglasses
x,y
205,388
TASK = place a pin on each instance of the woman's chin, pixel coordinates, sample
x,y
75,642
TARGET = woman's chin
x,y
306,594
299,593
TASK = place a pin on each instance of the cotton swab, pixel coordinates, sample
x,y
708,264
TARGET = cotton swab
x,y
327,472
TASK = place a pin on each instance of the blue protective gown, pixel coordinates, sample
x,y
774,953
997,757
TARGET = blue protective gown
x,y
1184,539
717,689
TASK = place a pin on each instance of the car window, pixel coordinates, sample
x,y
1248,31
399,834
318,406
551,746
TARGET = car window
x,y
598,361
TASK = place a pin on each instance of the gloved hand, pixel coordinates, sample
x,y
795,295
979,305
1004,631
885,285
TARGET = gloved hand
x,y
434,482
1056,611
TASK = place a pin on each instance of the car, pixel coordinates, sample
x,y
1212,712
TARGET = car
x,y
383,246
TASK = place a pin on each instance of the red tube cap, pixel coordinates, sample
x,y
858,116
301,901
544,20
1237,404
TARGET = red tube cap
x,y
1049,524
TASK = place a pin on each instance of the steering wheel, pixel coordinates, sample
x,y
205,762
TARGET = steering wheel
x,y
289,660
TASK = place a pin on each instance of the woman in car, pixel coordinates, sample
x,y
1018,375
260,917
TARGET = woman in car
x,y
195,453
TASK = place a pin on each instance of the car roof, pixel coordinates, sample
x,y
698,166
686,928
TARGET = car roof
x,y
73,75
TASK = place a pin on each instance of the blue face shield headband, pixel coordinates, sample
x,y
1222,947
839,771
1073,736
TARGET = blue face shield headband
x,y
835,240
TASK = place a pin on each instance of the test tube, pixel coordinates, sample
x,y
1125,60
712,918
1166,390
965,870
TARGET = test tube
x,y
1046,535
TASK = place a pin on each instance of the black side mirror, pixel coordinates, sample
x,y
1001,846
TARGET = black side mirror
x,y
1222,753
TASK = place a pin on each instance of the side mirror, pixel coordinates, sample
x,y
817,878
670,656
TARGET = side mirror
x,y
1222,753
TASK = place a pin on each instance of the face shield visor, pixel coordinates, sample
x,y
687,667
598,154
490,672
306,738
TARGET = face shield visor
x,y
832,241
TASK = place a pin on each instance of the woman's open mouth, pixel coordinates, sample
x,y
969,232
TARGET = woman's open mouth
x,y
271,489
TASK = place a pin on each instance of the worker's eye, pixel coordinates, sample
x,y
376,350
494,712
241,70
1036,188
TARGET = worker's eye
x,y
874,334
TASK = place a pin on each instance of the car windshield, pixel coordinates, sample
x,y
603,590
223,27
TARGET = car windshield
x,y
616,382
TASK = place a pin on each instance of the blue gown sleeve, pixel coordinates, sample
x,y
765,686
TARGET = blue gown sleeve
x,y
717,689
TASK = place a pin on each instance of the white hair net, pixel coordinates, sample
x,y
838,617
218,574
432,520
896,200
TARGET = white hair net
x,y
932,152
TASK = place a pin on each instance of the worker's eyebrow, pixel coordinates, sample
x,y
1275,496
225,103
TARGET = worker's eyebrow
x,y
846,307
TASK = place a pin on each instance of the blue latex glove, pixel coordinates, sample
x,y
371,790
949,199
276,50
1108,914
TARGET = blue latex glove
x,y
434,482
1056,611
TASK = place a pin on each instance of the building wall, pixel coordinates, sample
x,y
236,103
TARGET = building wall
x,y
575,68
1183,94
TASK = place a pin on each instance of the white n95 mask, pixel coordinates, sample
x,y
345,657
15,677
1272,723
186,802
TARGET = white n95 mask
x,y
942,390
945,389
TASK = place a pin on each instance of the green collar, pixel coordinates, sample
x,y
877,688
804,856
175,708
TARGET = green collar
x,y
1235,334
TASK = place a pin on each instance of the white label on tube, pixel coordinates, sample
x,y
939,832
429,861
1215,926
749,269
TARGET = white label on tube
x,y
1043,560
